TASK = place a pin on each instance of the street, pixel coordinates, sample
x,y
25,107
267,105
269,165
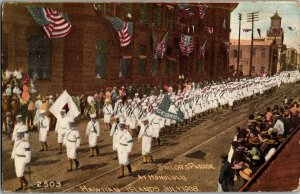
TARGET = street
x,y
187,161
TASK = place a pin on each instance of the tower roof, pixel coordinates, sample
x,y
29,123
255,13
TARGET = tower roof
x,y
276,16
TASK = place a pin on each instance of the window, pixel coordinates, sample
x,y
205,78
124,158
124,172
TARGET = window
x,y
157,15
101,58
107,8
128,8
123,68
170,19
235,53
254,51
198,65
262,69
144,13
102,8
169,67
241,68
142,67
155,66
39,58
263,52
252,69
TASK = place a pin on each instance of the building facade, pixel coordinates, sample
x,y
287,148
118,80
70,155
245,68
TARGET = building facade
x,y
264,56
291,59
90,57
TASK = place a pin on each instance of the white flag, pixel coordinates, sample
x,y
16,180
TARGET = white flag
x,y
64,101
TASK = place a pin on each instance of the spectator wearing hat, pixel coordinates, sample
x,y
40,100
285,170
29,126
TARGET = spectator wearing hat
x,y
107,112
5,108
43,127
269,114
145,134
21,155
93,132
124,147
72,143
226,175
20,128
279,126
61,127
114,132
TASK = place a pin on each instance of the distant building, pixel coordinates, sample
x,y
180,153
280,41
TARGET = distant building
x,y
278,36
264,56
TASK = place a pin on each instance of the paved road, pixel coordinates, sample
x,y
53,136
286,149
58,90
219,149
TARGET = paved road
x,y
199,144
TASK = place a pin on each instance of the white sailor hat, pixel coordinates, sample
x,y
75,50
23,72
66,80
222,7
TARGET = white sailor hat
x,y
71,121
42,111
144,95
129,100
145,119
154,104
116,116
136,94
19,116
133,103
93,116
62,110
143,104
144,107
50,96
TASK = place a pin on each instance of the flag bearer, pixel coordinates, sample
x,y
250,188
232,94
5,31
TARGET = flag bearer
x,y
19,127
72,143
21,154
146,135
93,131
124,148
43,130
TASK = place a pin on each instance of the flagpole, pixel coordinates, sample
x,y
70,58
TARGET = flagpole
x,y
238,57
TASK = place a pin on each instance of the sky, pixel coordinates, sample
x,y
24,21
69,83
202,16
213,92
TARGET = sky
x,y
288,11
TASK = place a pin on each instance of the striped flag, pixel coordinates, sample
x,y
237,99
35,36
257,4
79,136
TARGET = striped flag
x,y
210,30
201,51
154,38
161,47
124,29
186,44
55,23
184,13
247,30
277,30
202,10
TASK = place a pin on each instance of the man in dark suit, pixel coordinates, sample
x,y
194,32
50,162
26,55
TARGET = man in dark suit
x,y
226,174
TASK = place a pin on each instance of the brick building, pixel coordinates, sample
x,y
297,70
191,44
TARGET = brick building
x,y
291,59
262,61
92,47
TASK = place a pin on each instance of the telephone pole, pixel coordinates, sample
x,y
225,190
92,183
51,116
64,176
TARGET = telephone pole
x,y
252,17
238,55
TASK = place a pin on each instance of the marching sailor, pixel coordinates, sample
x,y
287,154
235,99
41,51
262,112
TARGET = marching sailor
x,y
62,126
19,128
108,112
124,148
93,131
72,142
114,132
146,136
21,154
43,130
156,125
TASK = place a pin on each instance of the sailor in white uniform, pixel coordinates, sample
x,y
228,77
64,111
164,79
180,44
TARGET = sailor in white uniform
x,y
108,112
72,143
21,155
124,148
145,134
19,128
114,133
43,127
93,132
62,126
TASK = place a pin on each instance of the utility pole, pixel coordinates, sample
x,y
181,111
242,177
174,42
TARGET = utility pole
x,y
238,56
252,17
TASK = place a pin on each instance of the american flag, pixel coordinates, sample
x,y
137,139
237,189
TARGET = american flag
x,y
247,30
55,23
161,47
186,44
210,30
201,51
124,29
277,30
184,13
201,10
